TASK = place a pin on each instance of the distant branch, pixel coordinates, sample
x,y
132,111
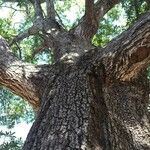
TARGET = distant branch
x,y
40,25
60,20
40,49
102,7
129,53
50,9
31,31
89,23
12,8
38,9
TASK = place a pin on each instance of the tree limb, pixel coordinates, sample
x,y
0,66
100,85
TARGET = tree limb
x,y
50,9
103,6
89,9
38,9
42,25
24,79
125,56
46,26
148,3
88,24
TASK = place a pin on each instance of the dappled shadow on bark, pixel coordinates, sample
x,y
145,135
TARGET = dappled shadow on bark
x,y
83,111
127,104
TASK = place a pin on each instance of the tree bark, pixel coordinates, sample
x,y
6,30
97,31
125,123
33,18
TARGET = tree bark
x,y
82,111
91,106
91,98
24,79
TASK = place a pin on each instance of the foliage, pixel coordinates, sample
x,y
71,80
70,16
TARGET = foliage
x,y
13,109
110,26
134,9
10,141
6,30
64,8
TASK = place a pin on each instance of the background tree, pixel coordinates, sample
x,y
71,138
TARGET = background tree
x,y
89,98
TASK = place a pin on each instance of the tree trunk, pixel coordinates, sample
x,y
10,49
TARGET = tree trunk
x,y
91,98
128,124
84,111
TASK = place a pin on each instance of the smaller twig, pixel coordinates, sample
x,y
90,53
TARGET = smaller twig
x,y
60,20
19,49
37,26
12,8
39,49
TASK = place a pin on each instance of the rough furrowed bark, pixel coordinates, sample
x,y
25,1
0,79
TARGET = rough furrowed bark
x,y
24,79
128,123
63,119
88,101
81,111
125,56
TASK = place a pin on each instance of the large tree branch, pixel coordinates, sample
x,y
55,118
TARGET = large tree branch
x,y
125,56
89,9
88,25
24,79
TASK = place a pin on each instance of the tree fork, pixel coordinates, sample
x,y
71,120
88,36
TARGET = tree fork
x,y
93,98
